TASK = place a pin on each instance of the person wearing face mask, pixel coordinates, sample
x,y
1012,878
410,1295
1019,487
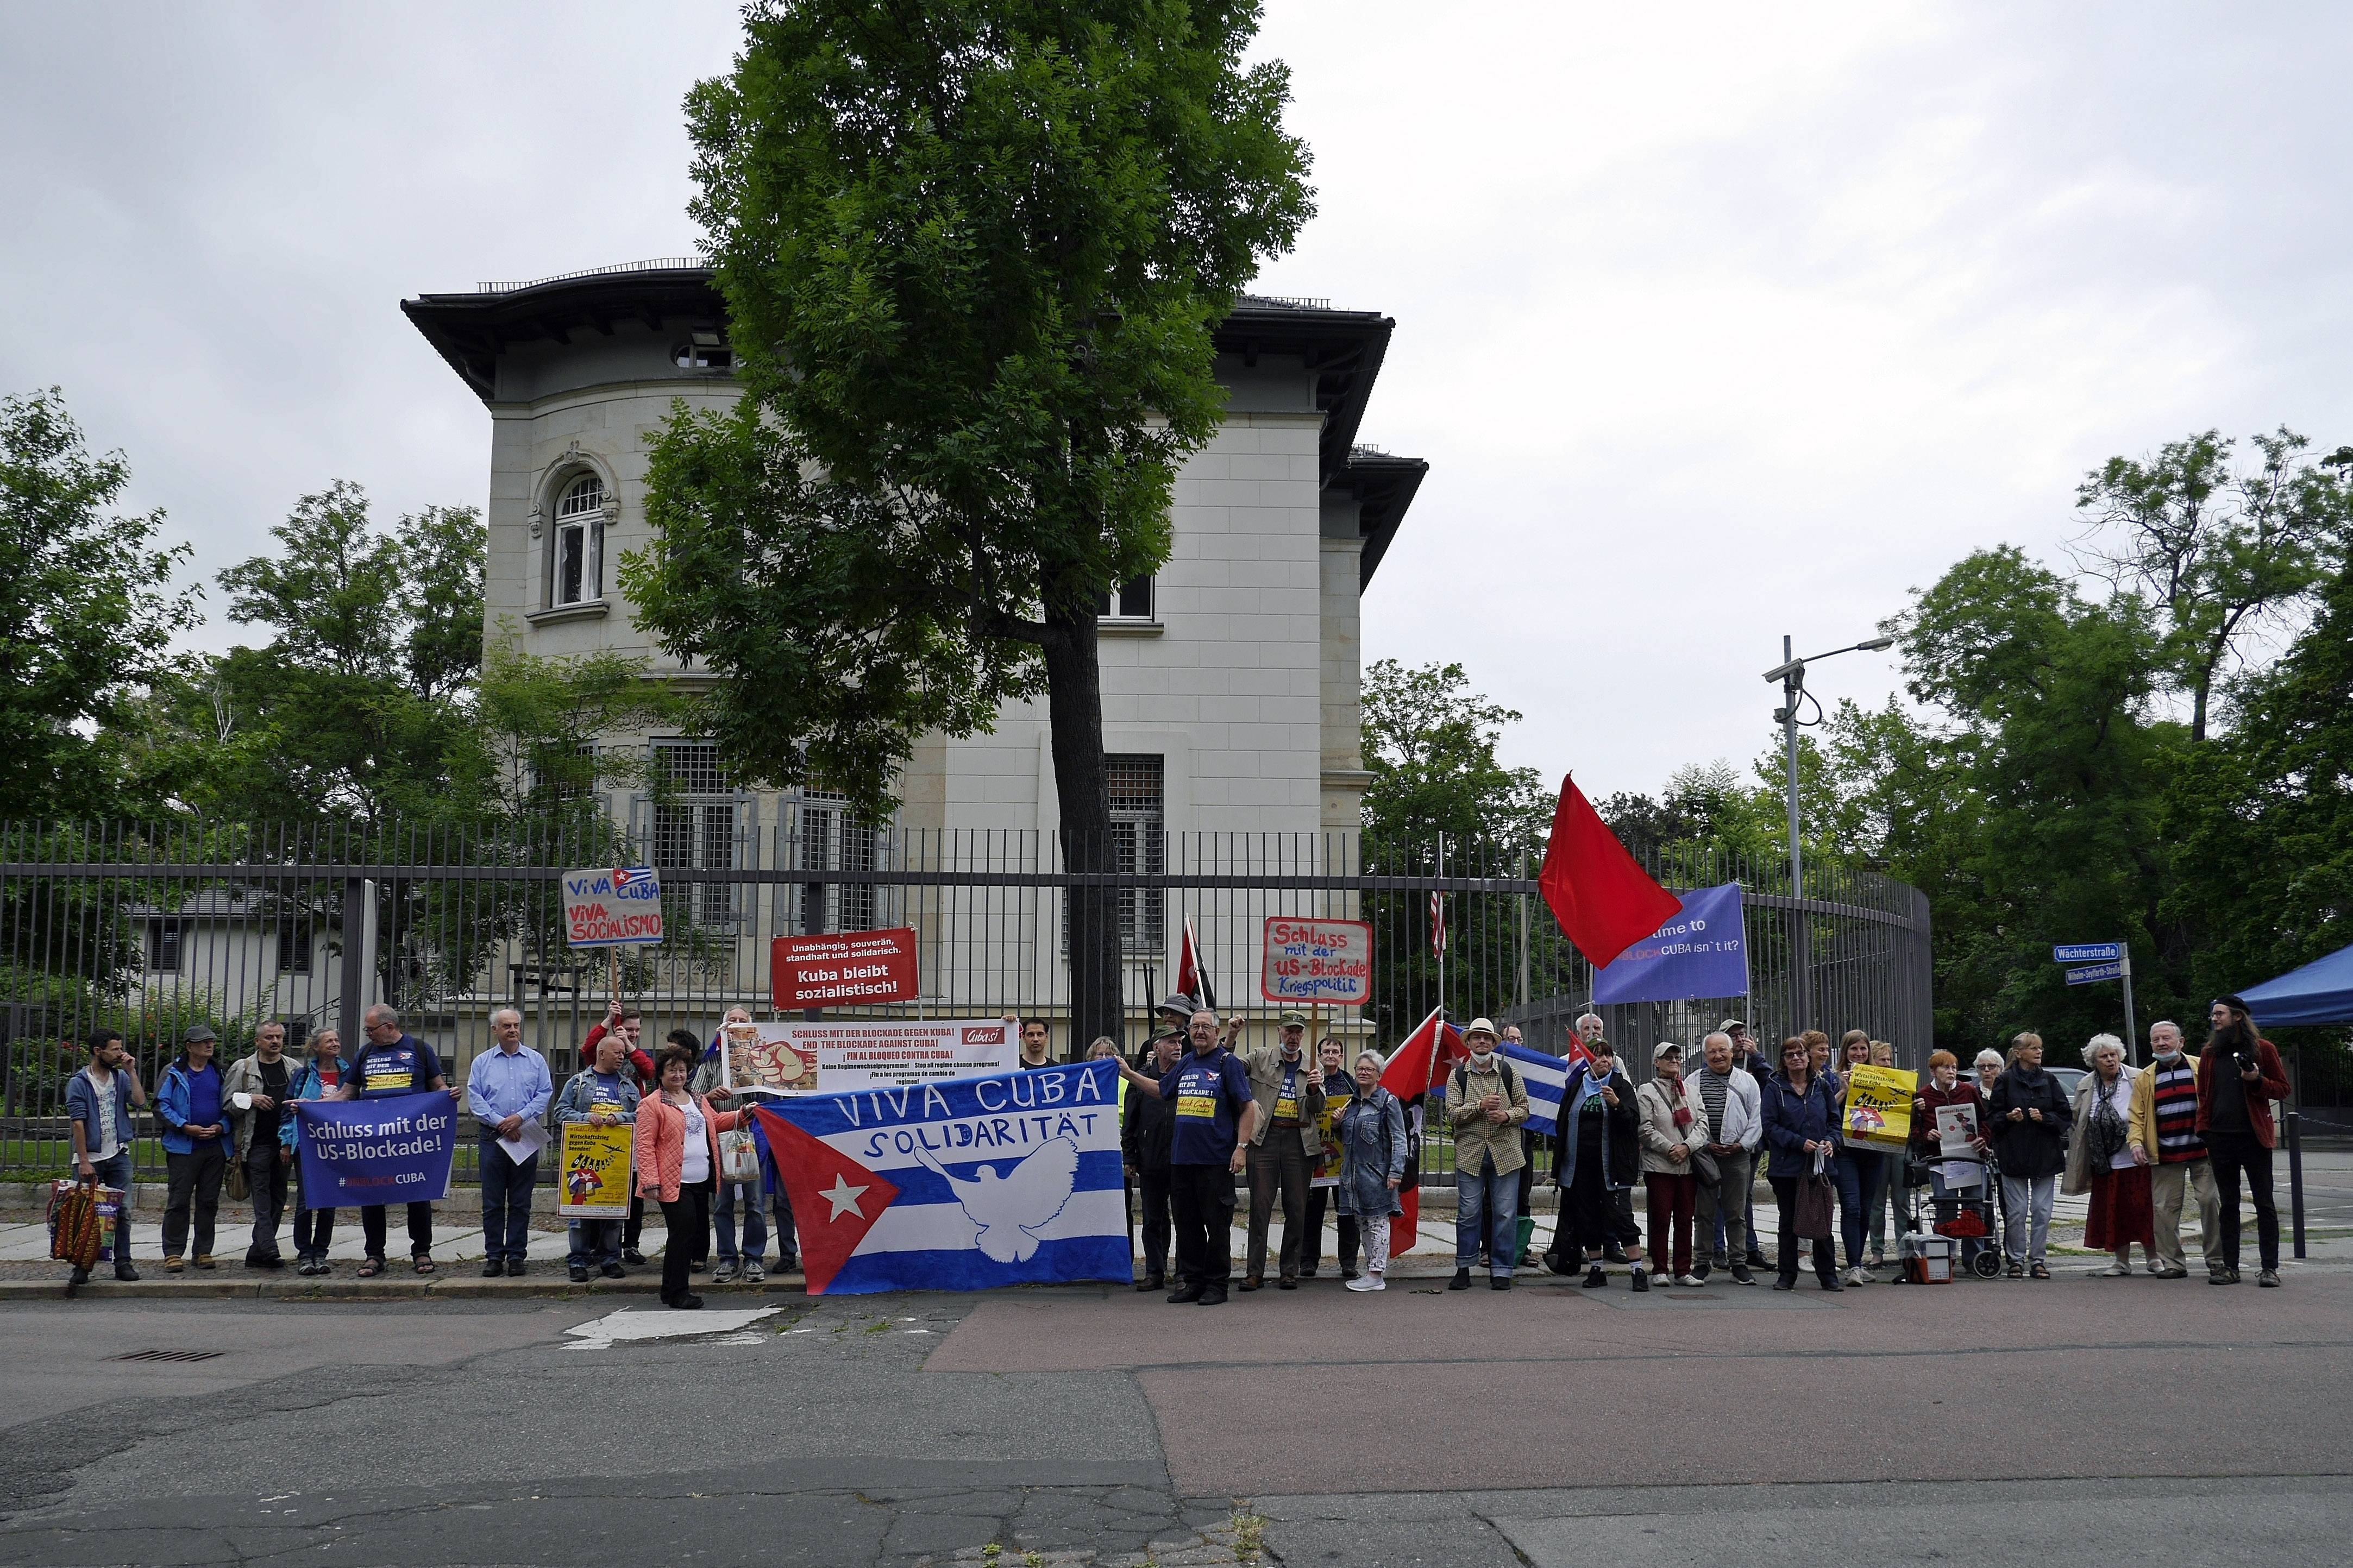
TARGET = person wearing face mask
x,y
1338,1088
1600,1156
2164,1132
2239,1076
1485,1104
2029,1115
1287,1085
1372,1168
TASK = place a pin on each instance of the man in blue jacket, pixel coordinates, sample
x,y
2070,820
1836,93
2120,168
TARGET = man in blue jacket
x,y
98,1108
1215,1115
192,1106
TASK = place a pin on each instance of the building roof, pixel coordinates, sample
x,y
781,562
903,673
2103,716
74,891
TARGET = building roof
x,y
1342,349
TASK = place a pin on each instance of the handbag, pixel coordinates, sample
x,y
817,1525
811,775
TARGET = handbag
x,y
739,1155
234,1184
1815,1209
1705,1167
73,1224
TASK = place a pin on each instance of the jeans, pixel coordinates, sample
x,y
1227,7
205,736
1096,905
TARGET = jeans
x,y
2026,1216
506,1201
1202,1198
195,1179
755,1220
266,1166
1279,1162
420,1229
686,1216
1721,1212
2168,1185
1152,1197
1486,1211
1671,1197
1785,1195
788,1247
594,1242
1311,1245
1846,1170
115,1173
2233,1153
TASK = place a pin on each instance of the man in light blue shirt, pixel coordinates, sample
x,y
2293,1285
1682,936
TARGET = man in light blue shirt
x,y
507,1090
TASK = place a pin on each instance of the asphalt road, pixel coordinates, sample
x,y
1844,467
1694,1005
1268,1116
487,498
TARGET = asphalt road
x,y
1991,1423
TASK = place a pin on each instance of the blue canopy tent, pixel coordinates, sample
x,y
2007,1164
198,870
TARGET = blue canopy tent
x,y
2319,992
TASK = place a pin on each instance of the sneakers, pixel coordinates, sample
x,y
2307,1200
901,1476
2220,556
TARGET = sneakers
x,y
633,1257
1700,1271
171,1266
204,1260
579,1275
1503,1282
728,1268
1856,1276
2114,1271
754,1273
1462,1281
1741,1276
1641,1279
1692,1279
1598,1278
1367,1282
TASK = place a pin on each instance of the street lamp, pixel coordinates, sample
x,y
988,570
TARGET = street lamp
x,y
1791,673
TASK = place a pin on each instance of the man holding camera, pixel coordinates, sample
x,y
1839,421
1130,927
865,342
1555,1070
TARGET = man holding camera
x,y
2239,1076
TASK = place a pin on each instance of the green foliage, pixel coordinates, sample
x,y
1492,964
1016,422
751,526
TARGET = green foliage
x,y
1429,744
973,253
87,613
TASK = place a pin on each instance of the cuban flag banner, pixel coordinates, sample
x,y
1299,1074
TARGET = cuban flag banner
x,y
961,1185
1545,1080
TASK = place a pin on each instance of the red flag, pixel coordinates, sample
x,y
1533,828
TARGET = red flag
x,y
1604,901
835,1199
1578,1053
1406,1228
1428,1055
1193,977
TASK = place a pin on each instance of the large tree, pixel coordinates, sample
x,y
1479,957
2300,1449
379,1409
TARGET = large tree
x,y
87,613
973,253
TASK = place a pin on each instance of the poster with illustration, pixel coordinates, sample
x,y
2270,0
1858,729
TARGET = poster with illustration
x,y
1879,1107
1327,1128
594,1171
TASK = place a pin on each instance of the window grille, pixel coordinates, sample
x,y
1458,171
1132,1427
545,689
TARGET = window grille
x,y
1139,846
691,831
831,841
164,947
293,946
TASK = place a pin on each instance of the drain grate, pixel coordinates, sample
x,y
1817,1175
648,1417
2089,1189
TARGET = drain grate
x,y
169,1356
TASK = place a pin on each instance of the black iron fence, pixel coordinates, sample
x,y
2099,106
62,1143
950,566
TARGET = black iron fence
x,y
153,930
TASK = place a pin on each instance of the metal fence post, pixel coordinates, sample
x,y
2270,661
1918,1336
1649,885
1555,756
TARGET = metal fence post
x,y
355,960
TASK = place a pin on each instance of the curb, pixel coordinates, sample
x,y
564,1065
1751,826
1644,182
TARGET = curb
x,y
333,1289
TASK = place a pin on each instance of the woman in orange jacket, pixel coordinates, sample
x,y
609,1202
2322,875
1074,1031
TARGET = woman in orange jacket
x,y
677,1152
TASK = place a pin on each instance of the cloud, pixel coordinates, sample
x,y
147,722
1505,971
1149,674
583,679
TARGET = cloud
x,y
1716,324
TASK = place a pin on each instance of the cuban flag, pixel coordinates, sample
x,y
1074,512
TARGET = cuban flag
x,y
964,1185
1545,1080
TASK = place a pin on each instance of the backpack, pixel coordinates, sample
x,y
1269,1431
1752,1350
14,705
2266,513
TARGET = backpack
x,y
1460,1079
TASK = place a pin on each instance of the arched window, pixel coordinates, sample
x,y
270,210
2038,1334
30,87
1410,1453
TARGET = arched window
x,y
577,569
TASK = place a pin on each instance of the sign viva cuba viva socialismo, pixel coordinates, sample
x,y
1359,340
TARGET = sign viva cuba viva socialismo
x,y
613,906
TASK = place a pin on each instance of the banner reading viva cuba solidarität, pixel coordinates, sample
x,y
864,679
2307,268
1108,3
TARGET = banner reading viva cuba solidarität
x,y
391,1150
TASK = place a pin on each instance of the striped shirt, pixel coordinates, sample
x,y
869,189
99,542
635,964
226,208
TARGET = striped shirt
x,y
2175,1106
1711,1090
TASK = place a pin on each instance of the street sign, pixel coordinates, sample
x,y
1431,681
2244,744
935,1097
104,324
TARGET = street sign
x,y
2088,952
2096,971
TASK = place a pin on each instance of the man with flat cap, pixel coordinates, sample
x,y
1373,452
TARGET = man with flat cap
x,y
1287,1087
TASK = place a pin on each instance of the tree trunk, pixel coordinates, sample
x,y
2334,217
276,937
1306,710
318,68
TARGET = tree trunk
x,y
1074,712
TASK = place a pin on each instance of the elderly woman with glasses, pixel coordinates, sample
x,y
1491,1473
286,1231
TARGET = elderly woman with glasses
x,y
1371,1129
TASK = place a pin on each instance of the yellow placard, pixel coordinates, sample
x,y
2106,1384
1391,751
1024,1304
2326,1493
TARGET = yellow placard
x,y
1327,1128
1879,1107
595,1167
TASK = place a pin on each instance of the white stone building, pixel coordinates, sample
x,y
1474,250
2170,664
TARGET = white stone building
x,y
1230,682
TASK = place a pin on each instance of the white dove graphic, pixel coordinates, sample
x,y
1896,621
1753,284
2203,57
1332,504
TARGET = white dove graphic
x,y
1007,1208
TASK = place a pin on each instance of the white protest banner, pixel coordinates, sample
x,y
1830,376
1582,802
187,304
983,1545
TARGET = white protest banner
x,y
843,1057
613,906
1312,962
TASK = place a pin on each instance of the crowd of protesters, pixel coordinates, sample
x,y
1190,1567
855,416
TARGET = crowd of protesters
x,y
1197,1114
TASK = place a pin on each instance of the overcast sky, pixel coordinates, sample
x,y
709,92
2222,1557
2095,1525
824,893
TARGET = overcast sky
x,y
1714,323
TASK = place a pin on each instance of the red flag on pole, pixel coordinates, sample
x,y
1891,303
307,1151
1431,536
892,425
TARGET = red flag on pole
x,y
1421,1063
1193,977
1603,899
